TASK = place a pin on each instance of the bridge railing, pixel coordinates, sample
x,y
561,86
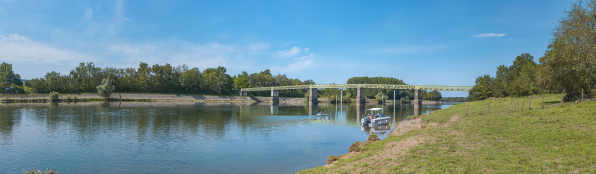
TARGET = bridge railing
x,y
369,86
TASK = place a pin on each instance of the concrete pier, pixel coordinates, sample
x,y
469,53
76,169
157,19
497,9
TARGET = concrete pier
x,y
417,98
243,93
274,96
313,96
313,109
274,109
360,99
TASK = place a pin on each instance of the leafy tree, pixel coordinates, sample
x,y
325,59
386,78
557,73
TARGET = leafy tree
x,y
482,89
570,60
380,97
8,77
106,88
241,81
54,96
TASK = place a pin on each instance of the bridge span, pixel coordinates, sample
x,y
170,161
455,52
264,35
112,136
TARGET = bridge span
x,y
360,88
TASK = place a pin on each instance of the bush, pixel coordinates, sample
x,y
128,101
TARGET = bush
x,y
106,88
68,97
33,171
54,96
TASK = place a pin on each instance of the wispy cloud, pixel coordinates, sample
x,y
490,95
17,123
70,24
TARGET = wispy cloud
x,y
1,10
16,48
301,63
306,49
118,19
289,52
334,31
490,35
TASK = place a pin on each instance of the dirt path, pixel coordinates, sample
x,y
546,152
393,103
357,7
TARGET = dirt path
x,y
392,153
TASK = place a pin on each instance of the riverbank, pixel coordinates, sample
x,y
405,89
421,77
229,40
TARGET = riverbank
x,y
42,98
558,139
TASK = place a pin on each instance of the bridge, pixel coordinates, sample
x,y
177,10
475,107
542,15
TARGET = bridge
x,y
360,88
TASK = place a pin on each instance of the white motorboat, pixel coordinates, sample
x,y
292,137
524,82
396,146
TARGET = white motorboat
x,y
378,118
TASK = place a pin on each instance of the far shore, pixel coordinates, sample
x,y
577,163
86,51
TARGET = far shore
x,y
157,97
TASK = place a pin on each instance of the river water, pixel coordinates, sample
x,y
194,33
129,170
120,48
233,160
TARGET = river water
x,y
182,137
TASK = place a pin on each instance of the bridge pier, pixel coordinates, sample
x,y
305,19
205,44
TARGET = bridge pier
x,y
313,96
417,99
360,99
313,109
274,109
243,93
274,96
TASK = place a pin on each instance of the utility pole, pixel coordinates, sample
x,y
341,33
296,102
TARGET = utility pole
x,y
394,97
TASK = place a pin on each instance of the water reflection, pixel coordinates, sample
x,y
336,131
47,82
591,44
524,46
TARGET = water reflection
x,y
179,137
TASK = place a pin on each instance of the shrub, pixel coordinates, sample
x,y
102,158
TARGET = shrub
x,y
54,96
33,171
68,97
106,88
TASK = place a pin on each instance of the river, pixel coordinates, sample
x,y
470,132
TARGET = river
x,y
181,137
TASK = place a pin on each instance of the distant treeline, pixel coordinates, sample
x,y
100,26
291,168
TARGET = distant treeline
x,y
181,79
380,93
454,99
149,79
568,65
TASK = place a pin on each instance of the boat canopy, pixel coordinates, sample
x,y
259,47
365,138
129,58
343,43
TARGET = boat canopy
x,y
374,109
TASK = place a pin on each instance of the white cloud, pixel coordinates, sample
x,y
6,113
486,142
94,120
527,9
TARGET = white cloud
x,y
490,35
289,52
16,48
1,10
302,63
118,20
306,49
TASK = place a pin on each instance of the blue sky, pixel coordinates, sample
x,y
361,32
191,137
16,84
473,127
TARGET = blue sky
x,y
420,42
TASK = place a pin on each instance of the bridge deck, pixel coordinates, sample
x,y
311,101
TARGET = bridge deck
x,y
374,86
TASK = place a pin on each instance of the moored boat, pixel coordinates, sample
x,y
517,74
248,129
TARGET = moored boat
x,y
378,118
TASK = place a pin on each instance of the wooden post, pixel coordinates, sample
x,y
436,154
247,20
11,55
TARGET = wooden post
x,y
582,94
516,103
488,106
562,98
530,103
511,104
523,103
466,109
542,101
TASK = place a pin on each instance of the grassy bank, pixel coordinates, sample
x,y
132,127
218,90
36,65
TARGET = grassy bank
x,y
561,139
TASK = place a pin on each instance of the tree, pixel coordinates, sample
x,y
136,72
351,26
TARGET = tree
x,y
241,81
571,58
106,88
8,77
482,89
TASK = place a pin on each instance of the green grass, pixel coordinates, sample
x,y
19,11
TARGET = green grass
x,y
561,139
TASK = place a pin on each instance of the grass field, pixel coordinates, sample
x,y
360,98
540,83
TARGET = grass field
x,y
561,139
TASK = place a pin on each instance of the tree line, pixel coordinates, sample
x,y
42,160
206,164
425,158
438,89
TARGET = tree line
x,y
182,79
568,65
149,79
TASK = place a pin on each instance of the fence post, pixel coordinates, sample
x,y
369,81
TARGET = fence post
x,y
530,103
488,106
466,109
511,104
562,98
542,101
523,103
582,94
